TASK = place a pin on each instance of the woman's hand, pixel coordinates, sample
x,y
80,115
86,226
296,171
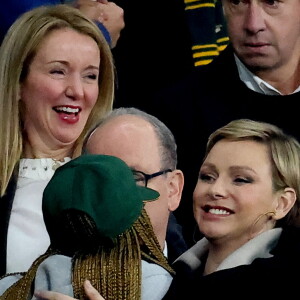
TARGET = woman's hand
x,y
90,291
106,12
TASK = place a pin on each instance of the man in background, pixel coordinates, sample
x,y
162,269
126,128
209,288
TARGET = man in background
x,y
257,76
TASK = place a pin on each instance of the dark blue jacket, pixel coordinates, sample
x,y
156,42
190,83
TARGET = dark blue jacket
x,y
12,9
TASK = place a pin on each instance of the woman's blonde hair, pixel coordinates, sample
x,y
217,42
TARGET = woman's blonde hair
x,y
17,51
284,155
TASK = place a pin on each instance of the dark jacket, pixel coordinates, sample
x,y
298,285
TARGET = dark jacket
x,y
12,9
5,210
264,278
207,99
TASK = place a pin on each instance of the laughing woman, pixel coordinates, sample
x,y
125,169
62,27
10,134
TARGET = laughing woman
x,y
56,81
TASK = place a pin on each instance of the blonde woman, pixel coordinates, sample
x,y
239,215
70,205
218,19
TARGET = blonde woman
x,y
56,81
246,204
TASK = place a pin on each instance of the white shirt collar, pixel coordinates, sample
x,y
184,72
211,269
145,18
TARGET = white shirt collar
x,y
254,83
165,250
258,247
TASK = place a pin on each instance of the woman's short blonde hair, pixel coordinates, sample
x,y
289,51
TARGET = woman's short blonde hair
x,y
284,155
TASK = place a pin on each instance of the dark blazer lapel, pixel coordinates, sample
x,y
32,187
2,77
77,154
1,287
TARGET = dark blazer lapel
x,y
5,210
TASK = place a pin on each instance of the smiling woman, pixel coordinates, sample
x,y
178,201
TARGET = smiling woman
x,y
56,81
66,74
246,204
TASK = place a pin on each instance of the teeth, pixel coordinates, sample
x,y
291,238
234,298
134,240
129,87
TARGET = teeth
x,y
68,109
218,211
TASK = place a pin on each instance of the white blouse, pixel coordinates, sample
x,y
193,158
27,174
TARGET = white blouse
x,y
27,235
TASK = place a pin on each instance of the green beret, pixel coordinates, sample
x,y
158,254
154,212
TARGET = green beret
x,y
100,186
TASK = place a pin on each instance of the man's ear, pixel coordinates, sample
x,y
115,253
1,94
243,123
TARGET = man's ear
x,y
285,202
176,183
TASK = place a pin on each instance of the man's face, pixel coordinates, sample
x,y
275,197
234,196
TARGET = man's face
x,y
133,140
265,34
